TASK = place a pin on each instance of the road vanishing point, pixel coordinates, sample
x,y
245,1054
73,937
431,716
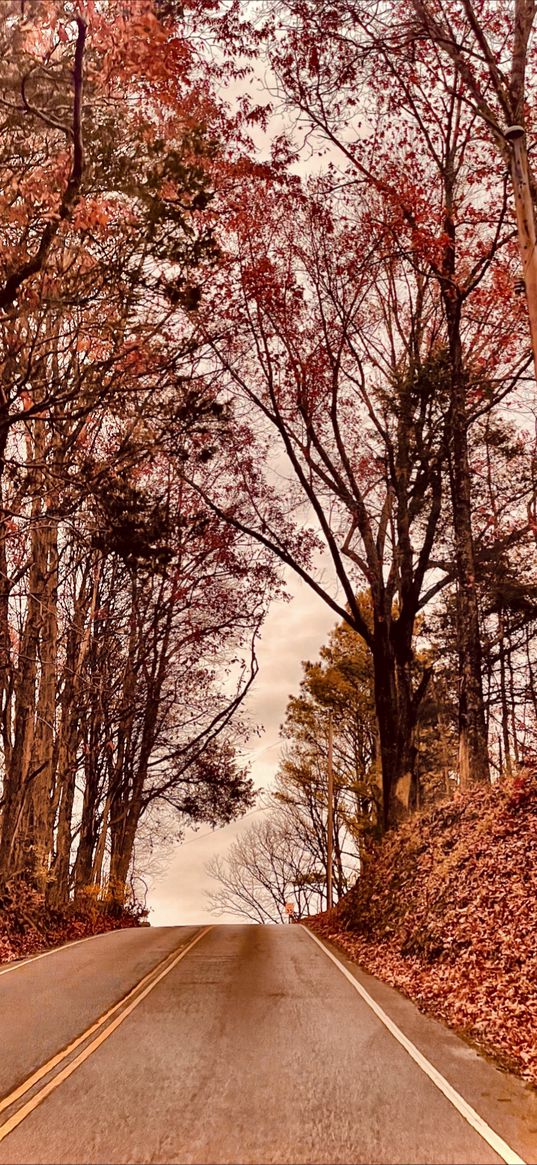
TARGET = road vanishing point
x,y
245,1045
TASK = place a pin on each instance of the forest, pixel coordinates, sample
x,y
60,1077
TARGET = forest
x,y
268,308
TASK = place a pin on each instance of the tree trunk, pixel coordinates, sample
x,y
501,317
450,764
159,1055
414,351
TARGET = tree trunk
x,y
504,702
40,792
396,718
70,732
473,742
123,835
88,825
13,858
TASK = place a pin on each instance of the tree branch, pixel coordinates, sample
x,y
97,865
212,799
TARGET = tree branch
x,y
14,281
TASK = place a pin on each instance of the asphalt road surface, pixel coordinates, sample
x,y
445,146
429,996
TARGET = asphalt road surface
x,y
238,1044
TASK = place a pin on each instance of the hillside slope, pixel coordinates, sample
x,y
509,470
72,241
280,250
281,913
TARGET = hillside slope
x,y
446,911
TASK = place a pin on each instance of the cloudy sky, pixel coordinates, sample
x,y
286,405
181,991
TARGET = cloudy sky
x,y
293,632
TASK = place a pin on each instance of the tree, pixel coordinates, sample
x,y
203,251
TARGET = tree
x,y
368,428
265,868
371,104
103,547
489,47
362,429
340,685
283,857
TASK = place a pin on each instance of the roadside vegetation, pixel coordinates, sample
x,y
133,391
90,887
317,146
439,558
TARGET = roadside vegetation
x,y
29,925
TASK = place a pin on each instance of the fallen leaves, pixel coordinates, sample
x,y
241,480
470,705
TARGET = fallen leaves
x,y
28,925
446,911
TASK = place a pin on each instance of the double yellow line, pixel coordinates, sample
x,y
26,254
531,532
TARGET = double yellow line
x,y
104,1026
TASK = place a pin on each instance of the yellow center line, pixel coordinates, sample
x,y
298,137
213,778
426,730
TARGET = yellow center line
x,y
146,985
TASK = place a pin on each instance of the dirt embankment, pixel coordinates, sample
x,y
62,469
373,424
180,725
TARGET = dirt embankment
x,y
28,925
446,911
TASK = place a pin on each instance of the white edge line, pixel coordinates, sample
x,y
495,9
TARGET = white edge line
x,y
75,942
21,1113
470,1115
16,965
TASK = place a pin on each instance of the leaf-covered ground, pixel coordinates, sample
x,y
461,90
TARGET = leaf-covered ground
x,y
28,926
446,911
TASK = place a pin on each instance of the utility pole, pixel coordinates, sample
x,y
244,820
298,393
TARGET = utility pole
x,y
330,820
525,217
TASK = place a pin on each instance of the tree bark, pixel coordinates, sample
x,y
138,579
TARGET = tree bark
x,y
473,743
396,716
13,859
69,734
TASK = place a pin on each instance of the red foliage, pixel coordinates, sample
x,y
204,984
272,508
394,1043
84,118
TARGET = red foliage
x,y
446,911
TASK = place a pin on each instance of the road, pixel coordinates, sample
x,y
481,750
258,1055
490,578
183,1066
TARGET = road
x,y
238,1044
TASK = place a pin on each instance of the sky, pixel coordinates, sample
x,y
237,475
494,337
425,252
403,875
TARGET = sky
x,y
293,631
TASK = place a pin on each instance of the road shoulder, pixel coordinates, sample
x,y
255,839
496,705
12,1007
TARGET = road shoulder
x,y
506,1103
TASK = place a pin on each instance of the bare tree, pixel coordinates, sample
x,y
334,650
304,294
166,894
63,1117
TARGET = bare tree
x,y
267,867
